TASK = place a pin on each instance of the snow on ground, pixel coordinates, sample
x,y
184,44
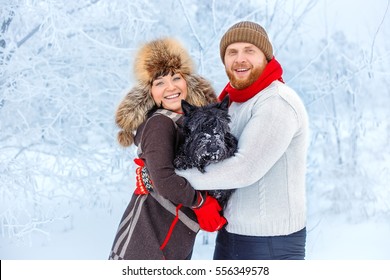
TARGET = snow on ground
x,y
335,239
92,231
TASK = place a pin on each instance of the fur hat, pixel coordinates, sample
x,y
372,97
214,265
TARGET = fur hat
x,y
158,58
248,32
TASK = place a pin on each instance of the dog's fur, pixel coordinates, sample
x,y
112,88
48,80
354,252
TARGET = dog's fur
x,y
207,139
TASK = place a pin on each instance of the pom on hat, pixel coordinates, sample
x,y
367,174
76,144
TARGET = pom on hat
x,y
248,32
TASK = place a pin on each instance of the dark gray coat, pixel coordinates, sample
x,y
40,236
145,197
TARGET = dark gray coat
x,y
148,218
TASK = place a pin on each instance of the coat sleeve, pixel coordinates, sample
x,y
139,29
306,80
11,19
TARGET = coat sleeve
x,y
263,141
158,149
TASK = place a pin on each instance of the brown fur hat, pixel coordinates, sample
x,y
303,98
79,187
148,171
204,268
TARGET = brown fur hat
x,y
158,58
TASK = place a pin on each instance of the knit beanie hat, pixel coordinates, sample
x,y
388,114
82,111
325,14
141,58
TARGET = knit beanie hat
x,y
248,32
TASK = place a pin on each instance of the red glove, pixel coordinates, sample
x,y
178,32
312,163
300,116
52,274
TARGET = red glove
x,y
143,183
208,215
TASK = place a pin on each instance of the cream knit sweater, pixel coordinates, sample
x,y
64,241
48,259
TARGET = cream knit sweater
x,y
269,167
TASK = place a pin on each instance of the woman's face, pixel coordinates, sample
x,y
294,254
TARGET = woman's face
x,y
169,90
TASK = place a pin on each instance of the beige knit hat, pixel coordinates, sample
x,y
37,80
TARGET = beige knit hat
x,y
248,32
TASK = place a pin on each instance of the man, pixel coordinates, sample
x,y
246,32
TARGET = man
x,y
267,213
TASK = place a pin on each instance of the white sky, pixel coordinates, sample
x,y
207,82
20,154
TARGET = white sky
x,y
359,19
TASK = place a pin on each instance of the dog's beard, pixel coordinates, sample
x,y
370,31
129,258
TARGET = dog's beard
x,y
209,148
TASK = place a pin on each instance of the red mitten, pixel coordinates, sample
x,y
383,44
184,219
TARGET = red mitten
x,y
143,183
208,215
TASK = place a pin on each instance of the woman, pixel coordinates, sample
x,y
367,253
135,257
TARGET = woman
x,y
150,227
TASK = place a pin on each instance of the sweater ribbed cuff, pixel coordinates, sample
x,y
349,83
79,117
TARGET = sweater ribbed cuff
x,y
200,199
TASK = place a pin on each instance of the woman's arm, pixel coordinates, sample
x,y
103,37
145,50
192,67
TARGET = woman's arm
x,y
158,150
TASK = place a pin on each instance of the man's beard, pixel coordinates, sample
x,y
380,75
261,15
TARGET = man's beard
x,y
244,83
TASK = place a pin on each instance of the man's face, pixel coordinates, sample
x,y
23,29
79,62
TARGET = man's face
x,y
244,63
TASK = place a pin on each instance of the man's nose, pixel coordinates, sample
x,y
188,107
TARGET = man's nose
x,y
240,57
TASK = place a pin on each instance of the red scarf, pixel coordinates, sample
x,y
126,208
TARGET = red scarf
x,y
272,72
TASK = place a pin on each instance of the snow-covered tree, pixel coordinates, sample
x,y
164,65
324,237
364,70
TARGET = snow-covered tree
x,y
65,65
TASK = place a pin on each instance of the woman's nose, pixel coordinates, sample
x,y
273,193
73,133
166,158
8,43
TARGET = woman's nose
x,y
170,85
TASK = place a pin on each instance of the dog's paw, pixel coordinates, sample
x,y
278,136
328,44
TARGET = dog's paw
x,y
201,168
177,163
180,163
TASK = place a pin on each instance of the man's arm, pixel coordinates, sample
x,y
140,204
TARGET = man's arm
x,y
263,141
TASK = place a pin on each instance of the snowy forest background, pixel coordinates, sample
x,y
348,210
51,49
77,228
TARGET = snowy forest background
x,y
65,65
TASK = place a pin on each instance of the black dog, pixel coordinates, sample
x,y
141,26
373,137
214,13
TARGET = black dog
x,y
207,139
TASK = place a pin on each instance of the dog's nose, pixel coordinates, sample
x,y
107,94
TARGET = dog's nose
x,y
213,147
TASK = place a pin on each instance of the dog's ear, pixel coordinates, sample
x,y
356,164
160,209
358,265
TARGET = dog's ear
x,y
224,105
187,107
